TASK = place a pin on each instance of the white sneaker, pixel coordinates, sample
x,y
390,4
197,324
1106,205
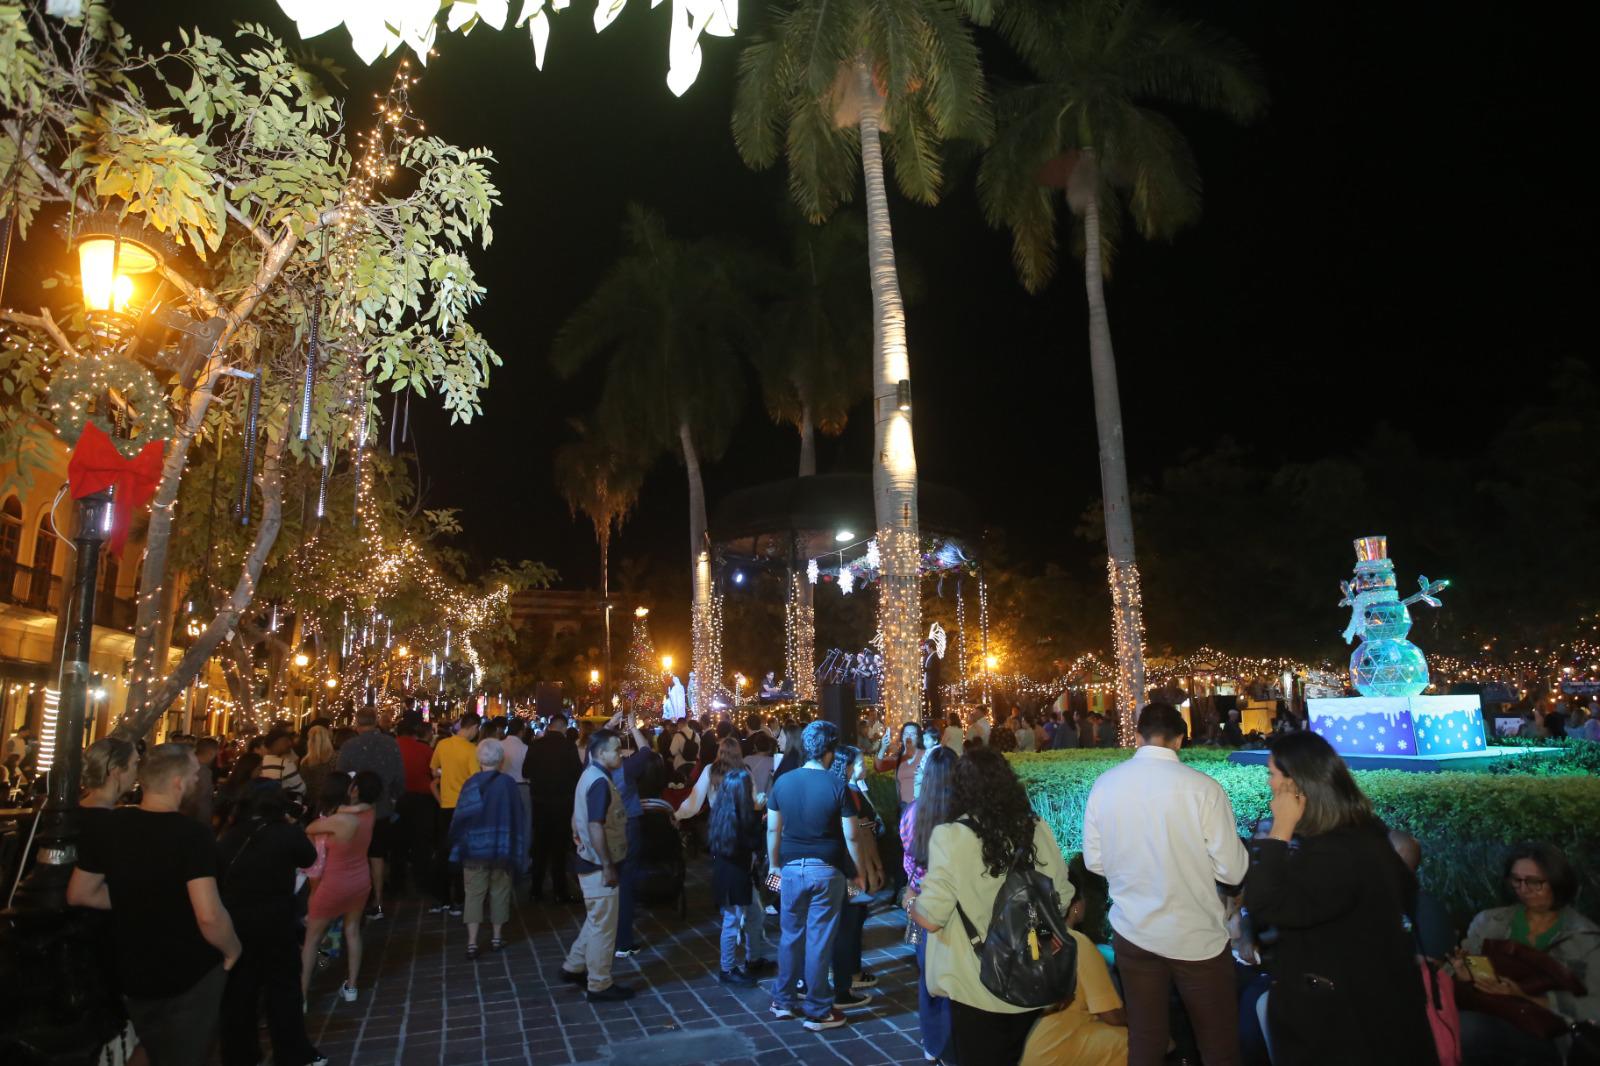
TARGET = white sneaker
x,y
347,993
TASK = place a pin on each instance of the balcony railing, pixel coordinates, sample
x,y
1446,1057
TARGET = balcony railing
x,y
40,590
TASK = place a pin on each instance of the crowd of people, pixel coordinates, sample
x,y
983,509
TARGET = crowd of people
x,y
234,874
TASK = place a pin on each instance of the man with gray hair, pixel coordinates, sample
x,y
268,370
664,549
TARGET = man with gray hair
x,y
378,752
155,870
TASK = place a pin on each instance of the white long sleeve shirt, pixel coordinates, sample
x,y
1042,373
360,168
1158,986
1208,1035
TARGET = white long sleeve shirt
x,y
1163,835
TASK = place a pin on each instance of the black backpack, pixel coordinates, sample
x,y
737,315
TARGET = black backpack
x,y
1028,959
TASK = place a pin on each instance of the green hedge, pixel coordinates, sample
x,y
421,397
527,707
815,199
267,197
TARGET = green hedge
x,y
1465,821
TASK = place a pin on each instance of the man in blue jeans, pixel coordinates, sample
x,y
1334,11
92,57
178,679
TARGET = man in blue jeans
x,y
809,839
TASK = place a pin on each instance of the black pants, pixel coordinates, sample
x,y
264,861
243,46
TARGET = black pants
x,y
552,846
447,886
984,1038
628,884
178,1030
269,969
847,947
412,854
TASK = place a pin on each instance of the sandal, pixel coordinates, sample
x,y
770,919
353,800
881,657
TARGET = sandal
x,y
472,951
496,944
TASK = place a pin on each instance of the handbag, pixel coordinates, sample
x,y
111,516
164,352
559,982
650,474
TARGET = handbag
x,y
1535,972
1525,1014
1444,1018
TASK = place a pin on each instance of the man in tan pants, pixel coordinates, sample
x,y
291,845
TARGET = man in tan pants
x,y
600,834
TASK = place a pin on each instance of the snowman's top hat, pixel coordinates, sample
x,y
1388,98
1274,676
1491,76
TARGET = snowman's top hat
x,y
1372,549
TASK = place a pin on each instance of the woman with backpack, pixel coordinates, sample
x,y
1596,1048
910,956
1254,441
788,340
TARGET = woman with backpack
x,y
996,841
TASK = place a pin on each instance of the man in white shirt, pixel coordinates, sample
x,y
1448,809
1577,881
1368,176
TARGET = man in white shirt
x,y
1164,835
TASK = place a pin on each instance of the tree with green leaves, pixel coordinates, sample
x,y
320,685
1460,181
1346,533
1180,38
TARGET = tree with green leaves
x,y
826,85
671,319
595,476
286,234
1089,127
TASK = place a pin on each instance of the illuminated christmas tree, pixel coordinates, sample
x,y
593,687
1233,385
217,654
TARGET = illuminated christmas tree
x,y
641,677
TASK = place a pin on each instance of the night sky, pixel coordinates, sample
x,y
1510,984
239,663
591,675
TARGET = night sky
x,y
1403,238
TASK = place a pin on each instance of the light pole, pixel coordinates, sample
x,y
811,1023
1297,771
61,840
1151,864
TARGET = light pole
x,y
45,889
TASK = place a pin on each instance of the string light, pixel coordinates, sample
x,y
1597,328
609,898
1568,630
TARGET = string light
x,y
1127,632
900,624
800,639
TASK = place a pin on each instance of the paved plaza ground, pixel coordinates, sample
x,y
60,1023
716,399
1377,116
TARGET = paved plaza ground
x,y
424,1002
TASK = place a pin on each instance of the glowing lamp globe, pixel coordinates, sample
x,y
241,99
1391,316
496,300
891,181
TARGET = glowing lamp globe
x,y
111,254
666,662
302,659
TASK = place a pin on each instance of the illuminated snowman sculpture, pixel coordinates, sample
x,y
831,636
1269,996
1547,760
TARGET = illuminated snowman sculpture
x,y
1391,723
1385,663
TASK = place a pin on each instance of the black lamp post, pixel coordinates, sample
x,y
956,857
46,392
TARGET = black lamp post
x,y
46,886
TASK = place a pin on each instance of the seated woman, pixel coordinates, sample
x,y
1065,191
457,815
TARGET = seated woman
x,y
1091,1029
1345,983
1542,882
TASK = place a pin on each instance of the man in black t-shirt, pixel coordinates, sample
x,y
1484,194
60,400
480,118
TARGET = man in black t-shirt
x,y
155,870
809,818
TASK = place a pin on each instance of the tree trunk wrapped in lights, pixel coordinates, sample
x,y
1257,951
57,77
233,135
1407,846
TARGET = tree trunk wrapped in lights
x,y
1127,610
900,622
800,637
894,475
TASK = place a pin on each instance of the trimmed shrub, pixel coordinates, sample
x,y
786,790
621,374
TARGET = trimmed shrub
x,y
1465,821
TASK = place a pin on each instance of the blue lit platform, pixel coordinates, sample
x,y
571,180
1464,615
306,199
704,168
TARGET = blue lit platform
x,y
1420,734
1469,762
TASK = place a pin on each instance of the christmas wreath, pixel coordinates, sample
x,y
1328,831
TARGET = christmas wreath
x,y
79,384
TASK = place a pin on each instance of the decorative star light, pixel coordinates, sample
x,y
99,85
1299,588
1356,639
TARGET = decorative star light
x,y
380,27
847,581
811,571
871,559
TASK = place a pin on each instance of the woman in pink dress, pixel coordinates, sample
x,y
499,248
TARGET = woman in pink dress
x,y
344,831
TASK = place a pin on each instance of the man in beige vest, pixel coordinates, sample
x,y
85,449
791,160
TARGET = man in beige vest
x,y
600,833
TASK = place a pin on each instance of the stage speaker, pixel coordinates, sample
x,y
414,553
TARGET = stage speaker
x,y
837,704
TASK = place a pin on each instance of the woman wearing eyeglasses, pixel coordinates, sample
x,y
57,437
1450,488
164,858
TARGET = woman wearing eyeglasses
x,y
1542,882
1345,984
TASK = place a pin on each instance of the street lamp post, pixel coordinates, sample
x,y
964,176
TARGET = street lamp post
x,y
45,889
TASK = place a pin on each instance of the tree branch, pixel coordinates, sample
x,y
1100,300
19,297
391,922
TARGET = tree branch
x,y
262,237
139,722
46,321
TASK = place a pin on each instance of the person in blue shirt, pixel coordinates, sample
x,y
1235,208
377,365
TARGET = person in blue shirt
x,y
626,777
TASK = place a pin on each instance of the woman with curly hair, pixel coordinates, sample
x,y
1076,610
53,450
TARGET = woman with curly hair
x,y
932,804
968,860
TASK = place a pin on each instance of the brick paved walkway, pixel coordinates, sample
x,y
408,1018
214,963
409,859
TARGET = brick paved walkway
x,y
424,1002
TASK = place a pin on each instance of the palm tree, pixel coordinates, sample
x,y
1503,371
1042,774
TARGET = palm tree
x,y
595,477
825,85
816,326
1088,127
671,319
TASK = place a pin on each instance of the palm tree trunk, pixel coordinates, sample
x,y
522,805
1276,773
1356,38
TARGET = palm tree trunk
x,y
705,652
1127,612
894,475
808,441
605,601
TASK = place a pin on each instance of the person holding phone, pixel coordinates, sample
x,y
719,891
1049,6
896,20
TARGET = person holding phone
x,y
1345,984
813,844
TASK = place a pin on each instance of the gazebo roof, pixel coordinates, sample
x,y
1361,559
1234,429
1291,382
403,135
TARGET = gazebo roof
x,y
756,523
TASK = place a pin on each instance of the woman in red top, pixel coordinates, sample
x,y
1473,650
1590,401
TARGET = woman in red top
x,y
344,831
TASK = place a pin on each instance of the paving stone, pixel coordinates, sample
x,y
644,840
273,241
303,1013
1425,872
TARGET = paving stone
x,y
424,1003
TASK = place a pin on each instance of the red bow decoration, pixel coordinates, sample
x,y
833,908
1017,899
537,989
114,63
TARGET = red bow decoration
x,y
96,465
